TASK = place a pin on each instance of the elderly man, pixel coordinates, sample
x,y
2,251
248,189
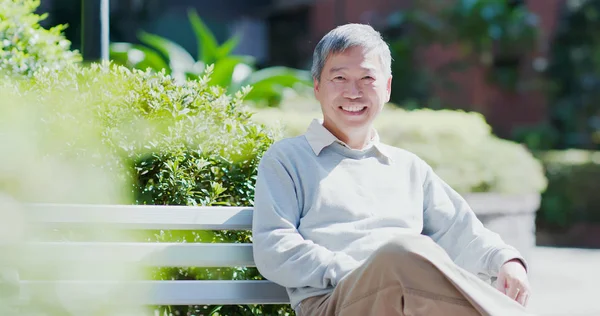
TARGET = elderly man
x,y
352,226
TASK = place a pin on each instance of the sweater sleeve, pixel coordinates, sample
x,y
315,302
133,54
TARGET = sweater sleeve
x,y
281,254
450,222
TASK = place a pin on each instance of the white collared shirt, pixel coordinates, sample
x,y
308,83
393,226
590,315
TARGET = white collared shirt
x,y
319,137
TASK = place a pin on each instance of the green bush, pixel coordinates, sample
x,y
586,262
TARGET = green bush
x,y
161,141
573,79
458,145
107,134
25,46
572,194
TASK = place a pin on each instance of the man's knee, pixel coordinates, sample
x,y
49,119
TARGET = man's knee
x,y
409,248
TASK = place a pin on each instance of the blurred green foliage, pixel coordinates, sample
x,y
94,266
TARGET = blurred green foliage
x,y
574,78
25,46
495,34
492,28
458,145
541,136
230,71
109,134
572,194
170,143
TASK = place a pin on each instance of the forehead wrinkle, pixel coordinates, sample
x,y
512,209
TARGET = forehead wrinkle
x,y
368,69
365,64
336,69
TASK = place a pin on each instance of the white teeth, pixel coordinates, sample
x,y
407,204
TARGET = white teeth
x,y
353,108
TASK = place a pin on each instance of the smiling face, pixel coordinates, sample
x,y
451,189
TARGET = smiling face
x,y
352,91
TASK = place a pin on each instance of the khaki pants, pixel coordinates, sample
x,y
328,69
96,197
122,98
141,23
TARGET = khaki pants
x,y
411,276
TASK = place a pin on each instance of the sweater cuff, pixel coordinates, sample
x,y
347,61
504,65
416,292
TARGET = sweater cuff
x,y
503,256
341,265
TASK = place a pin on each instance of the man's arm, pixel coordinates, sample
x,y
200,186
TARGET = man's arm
x,y
450,222
281,254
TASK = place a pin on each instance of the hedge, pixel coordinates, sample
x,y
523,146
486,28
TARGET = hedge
x,y
572,195
107,134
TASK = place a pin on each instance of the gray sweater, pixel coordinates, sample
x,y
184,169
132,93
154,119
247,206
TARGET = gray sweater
x,y
321,209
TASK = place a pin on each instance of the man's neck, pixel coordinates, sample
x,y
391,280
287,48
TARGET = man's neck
x,y
355,139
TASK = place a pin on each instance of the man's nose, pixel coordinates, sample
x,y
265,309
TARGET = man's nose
x,y
352,90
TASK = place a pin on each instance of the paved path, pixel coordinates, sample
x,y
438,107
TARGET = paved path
x,y
565,282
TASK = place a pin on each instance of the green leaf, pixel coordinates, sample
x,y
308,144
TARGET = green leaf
x,y
119,57
180,60
224,69
227,47
215,310
271,92
282,75
207,43
137,56
269,83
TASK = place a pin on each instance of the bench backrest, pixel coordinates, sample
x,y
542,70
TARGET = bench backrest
x,y
146,254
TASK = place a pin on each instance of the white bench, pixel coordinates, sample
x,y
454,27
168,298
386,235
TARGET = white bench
x,y
86,255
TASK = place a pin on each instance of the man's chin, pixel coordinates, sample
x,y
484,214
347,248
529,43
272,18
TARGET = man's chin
x,y
356,122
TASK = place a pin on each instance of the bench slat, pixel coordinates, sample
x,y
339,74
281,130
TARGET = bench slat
x,y
157,292
167,217
144,254
131,254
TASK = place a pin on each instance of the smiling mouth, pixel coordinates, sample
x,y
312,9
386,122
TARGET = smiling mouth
x,y
353,109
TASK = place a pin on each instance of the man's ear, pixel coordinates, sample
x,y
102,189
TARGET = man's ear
x,y
316,86
389,89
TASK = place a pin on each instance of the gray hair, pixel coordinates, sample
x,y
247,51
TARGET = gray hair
x,y
346,36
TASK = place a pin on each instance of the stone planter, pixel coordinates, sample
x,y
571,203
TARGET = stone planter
x,y
511,216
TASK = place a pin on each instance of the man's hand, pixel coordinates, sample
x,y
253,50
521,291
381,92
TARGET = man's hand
x,y
513,281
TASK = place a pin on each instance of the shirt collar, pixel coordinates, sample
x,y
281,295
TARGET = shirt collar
x,y
319,137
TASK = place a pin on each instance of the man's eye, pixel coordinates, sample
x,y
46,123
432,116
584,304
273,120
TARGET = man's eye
x,y
368,78
338,78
